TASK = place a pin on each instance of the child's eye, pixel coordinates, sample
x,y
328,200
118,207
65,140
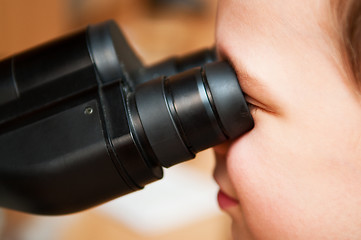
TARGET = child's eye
x,y
252,108
250,102
253,104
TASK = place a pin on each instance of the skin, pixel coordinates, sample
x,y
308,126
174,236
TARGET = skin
x,y
297,174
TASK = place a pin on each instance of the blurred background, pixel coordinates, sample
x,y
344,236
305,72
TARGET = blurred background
x,y
183,204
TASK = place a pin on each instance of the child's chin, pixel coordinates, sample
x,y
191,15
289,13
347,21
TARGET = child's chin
x,y
239,228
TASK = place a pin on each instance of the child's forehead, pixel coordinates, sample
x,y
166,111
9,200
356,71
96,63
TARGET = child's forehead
x,y
287,22
286,12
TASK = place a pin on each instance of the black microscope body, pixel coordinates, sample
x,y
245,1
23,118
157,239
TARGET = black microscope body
x,y
82,121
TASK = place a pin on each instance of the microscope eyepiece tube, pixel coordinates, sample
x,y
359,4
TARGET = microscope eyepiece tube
x,y
191,111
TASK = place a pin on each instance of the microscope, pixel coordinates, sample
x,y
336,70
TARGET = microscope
x,y
83,121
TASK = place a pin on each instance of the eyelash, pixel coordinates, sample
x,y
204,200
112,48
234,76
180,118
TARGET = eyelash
x,y
252,107
249,104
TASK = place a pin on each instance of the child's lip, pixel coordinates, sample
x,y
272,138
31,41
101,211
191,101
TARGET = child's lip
x,y
225,201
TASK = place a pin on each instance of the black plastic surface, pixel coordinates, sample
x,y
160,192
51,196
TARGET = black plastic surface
x,y
158,124
228,99
59,164
193,110
176,65
8,88
46,76
111,53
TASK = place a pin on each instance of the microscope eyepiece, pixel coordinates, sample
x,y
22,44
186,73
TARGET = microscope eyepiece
x,y
191,111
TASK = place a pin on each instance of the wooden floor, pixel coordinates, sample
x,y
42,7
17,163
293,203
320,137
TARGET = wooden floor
x,y
155,33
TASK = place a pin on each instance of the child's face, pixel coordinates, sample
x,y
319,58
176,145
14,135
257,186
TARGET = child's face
x,y
297,174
